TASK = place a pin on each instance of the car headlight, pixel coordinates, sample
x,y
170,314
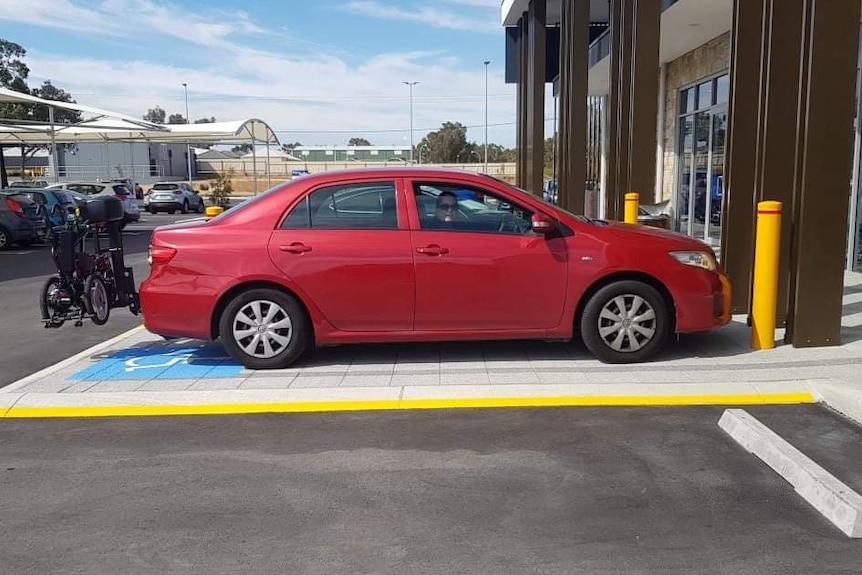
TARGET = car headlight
x,y
702,260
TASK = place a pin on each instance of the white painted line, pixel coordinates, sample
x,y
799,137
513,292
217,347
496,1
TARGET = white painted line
x,y
70,360
833,499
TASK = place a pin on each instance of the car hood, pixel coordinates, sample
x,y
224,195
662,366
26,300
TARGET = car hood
x,y
674,240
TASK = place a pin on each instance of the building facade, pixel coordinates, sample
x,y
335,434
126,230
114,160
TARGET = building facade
x,y
713,105
352,153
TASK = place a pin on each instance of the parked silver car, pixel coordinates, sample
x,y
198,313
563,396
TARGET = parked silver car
x,y
123,191
173,196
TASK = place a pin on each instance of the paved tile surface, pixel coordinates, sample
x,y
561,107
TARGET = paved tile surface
x,y
145,363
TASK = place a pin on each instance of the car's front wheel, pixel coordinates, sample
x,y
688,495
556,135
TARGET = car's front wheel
x,y
626,322
264,329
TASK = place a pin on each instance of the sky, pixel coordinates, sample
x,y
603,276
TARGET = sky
x,y
318,72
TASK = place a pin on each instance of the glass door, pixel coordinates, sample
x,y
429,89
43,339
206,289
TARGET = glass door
x,y
701,154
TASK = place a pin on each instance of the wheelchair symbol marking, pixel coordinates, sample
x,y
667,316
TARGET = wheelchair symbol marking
x,y
180,356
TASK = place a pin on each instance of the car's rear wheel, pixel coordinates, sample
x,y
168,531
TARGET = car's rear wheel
x,y
5,240
185,208
626,322
264,329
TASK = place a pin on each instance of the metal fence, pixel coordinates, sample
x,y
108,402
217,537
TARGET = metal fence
x,y
277,168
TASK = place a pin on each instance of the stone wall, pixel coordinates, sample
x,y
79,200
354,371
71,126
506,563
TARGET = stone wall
x,y
708,60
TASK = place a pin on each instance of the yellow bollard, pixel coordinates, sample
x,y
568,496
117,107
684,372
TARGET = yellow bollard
x,y
632,204
764,301
213,211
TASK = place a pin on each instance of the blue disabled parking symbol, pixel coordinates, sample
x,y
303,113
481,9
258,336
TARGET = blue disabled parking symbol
x,y
163,362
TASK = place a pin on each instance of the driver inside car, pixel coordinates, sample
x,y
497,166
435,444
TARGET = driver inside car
x,y
447,207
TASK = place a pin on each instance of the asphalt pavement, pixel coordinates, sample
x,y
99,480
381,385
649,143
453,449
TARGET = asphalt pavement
x,y
565,490
25,345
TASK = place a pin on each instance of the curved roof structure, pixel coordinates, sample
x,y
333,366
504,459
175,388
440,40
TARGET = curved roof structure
x,y
113,126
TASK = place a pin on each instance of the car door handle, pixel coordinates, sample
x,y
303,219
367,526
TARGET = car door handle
x,y
296,248
433,250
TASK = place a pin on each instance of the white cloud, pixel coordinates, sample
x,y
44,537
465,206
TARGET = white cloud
x,y
477,3
423,15
318,97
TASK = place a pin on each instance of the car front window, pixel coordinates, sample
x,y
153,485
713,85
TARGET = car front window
x,y
456,208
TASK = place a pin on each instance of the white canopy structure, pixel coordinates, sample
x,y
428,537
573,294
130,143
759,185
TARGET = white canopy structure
x,y
106,126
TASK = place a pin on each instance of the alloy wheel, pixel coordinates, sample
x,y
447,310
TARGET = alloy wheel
x,y
262,329
627,323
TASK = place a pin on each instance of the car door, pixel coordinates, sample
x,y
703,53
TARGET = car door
x,y
484,268
347,247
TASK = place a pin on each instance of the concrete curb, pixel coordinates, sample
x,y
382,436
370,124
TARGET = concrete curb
x,y
844,398
833,499
70,360
143,403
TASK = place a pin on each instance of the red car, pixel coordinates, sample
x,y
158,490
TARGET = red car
x,y
395,255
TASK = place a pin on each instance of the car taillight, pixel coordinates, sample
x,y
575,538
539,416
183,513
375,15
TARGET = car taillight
x,y
160,254
16,208
123,197
178,192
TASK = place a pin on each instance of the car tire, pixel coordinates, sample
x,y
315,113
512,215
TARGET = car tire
x,y
185,208
201,208
288,322
626,322
5,239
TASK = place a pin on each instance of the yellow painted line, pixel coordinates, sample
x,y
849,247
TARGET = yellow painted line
x,y
389,405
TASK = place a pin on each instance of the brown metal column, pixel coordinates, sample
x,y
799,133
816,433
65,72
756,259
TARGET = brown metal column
x,y
737,236
623,109
615,96
574,46
536,48
777,152
646,31
521,126
829,84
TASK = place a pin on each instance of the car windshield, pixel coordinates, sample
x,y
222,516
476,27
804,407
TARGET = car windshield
x,y
165,187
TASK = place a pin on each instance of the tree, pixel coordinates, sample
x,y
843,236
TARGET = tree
x,y
176,119
210,120
155,115
13,75
50,92
221,189
358,142
446,144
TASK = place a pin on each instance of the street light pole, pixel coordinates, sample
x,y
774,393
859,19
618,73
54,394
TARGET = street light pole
x,y
486,115
188,143
410,85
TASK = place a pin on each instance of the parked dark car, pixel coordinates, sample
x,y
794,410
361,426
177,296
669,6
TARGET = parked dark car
x,y
122,190
21,220
55,205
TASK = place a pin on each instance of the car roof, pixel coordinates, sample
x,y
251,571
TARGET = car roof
x,y
395,172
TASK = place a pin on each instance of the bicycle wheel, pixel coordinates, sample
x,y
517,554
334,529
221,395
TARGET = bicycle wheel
x,y
47,299
96,300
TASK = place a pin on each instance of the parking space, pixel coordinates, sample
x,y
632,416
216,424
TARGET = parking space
x,y
587,490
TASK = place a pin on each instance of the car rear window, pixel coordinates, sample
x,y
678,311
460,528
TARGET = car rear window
x,y
20,198
165,187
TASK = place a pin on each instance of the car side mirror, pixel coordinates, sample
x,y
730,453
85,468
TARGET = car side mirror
x,y
542,224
